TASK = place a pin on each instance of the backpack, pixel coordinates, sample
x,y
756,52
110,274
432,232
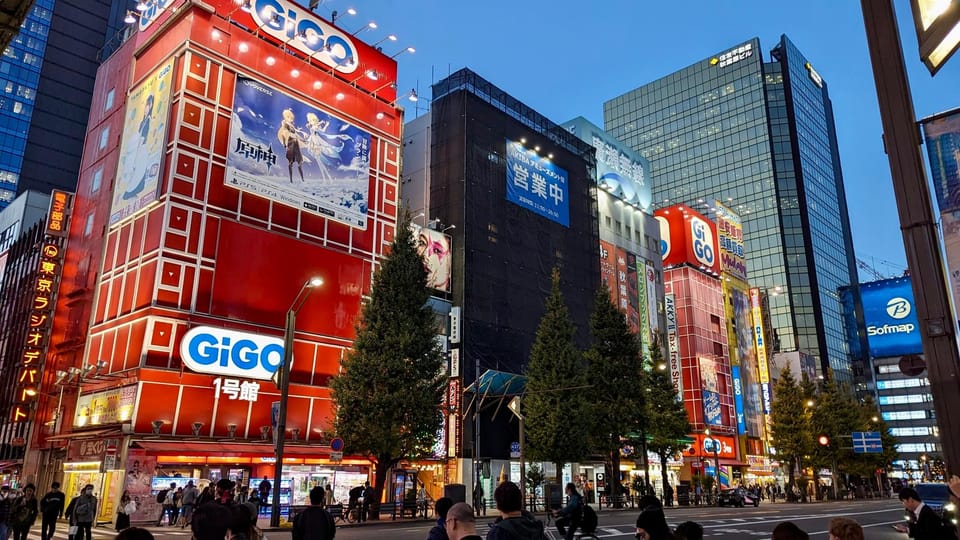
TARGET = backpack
x,y
162,495
588,523
82,511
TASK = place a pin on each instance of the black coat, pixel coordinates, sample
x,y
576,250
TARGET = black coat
x,y
929,526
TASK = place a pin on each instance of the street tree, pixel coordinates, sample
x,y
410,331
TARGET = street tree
x,y
555,405
790,425
615,374
836,415
389,390
666,434
868,465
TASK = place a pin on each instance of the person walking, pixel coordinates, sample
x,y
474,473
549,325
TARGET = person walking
x,y
51,509
368,500
479,504
23,513
328,500
264,489
924,522
513,523
442,508
314,523
688,530
127,507
177,502
167,504
82,511
460,523
845,529
189,501
6,501
568,517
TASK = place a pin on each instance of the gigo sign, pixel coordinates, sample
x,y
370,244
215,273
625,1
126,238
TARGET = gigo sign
x,y
217,351
295,25
702,235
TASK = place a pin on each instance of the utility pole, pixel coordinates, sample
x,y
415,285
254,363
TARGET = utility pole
x,y
901,138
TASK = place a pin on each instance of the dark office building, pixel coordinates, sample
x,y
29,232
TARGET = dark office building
x,y
759,136
46,83
515,192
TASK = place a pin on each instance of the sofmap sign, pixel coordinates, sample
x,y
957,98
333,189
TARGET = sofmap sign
x,y
536,184
217,351
890,317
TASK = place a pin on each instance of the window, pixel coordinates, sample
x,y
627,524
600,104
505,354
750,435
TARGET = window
x,y
108,103
88,228
104,137
97,179
897,400
901,383
911,431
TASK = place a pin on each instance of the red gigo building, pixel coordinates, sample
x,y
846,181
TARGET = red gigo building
x,y
235,150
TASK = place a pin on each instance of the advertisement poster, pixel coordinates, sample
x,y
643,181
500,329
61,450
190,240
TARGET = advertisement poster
x,y
140,471
633,295
620,169
623,297
738,400
673,343
651,288
535,183
710,388
890,317
642,308
608,271
434,247
942,134
107,407
730,237
291,153
950,222
761,343
142,146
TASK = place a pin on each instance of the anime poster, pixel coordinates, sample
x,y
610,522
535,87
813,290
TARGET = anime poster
x,y
434,247
710,389
289,152
140,471
142,146
752,409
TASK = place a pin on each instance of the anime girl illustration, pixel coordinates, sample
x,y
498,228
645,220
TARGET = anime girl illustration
x,y
324,147
290,138
436,259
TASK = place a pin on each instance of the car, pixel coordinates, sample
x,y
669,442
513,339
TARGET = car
x,y
937,497
739,496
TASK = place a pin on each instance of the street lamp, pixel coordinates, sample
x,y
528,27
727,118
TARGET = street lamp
x,y
283,383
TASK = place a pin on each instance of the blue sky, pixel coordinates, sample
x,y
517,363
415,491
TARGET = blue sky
x,y
565,59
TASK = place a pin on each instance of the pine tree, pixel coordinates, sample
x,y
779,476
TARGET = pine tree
x,y
837,414
669,424
389,391
790,424
616,376
554,405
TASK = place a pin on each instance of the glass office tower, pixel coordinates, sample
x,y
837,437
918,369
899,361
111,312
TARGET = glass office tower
x,y
46,84
758,136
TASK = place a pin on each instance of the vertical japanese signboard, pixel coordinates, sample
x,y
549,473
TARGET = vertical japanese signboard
x,y
761,345
673,343
57,216
535,183
730,238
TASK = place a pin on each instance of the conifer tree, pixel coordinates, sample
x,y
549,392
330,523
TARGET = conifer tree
x,y
669,424
790,424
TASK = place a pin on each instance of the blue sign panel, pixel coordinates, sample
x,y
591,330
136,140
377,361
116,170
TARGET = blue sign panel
x,y
738,400
535,183
890,317
711,408
867,442
621,170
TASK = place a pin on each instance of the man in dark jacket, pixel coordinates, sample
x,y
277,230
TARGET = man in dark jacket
x,y
439,531
51,508
368,501
569,515
925,523
513,523
314,523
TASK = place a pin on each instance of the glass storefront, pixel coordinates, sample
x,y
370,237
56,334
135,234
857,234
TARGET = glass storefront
x,y
107,486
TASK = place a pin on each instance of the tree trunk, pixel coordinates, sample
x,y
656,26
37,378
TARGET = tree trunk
x,y
614,478
380,480
663,474
646,463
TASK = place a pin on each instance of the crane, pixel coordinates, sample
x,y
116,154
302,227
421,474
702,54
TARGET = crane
x,y
864,265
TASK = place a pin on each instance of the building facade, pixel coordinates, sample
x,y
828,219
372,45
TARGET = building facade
x,y
759,137
47,75
238,164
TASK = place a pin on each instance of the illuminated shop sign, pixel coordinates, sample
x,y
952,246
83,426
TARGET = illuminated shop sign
x,y
733,56
42,303
296,26
673,342
761,350
103,408
814,76
236,389
536,184
228,353
891,321
58,213
152,10
730,236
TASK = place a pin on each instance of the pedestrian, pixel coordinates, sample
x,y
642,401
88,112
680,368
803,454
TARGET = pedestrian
x,y
652,524
924,523
479,504
421,501
328,499
82,511
789,531
23,513
51,509
688,530
845,529
127,507
6,501
189,502
243,523
439,531
211,521
206,495
513,523
264,489
460,523
368,501
568,517
177,503
166,501
354,501
134,533
314,523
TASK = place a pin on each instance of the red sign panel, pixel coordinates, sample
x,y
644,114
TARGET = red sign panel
x,y
704,445
688,237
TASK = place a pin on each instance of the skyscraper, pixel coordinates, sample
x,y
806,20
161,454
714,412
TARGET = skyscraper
x,y
760,137
46,83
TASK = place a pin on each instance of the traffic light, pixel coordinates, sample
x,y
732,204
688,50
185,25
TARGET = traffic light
x,y
823,440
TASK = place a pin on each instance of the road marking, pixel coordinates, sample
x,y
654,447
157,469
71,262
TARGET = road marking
x,y
799,518
865,526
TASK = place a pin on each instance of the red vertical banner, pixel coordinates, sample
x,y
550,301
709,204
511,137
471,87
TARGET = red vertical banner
x,y
623,296
608,268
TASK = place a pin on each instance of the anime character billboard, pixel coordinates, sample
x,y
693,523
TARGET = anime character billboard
x,y
142,147
434,247
289,152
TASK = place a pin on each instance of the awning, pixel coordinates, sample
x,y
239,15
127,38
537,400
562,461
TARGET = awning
x,y
89,434
499,383
228,449
733,463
